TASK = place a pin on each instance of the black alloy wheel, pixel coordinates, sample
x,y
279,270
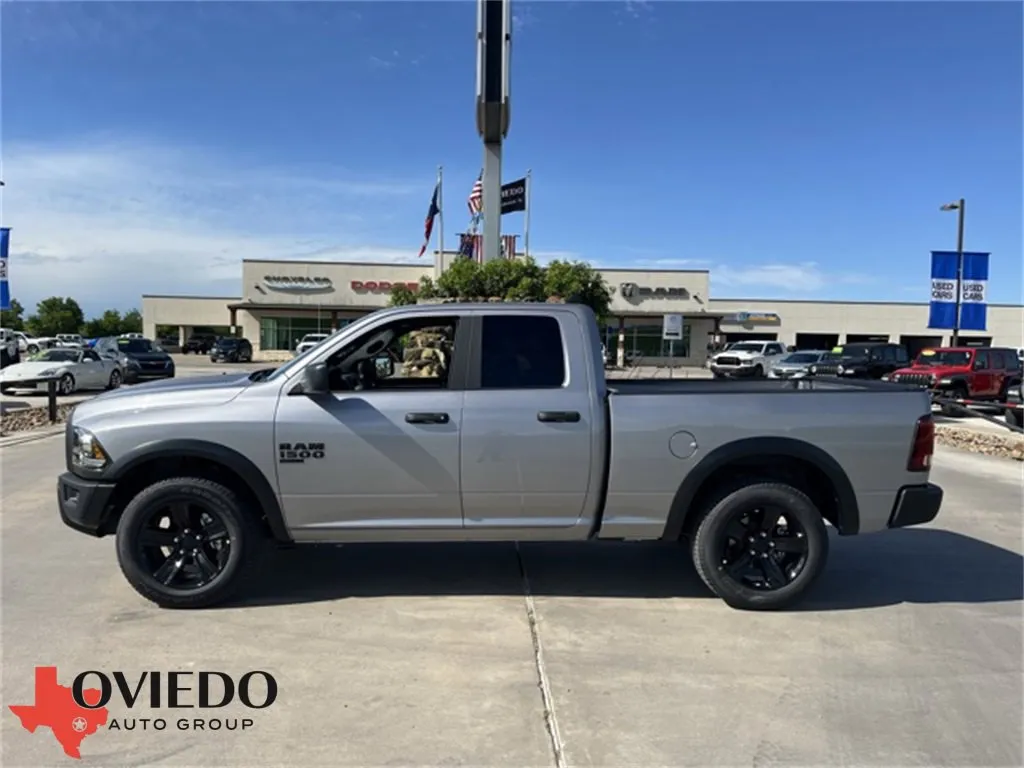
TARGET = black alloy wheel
x,y
760,545
184,545
763,549
187,542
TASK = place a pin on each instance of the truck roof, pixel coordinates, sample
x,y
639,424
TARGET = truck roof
x,y
518,306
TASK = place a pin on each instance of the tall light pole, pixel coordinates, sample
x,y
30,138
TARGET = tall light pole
x,y
958,206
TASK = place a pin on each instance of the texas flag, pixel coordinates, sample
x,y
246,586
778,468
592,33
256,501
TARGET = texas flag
x,y
428,227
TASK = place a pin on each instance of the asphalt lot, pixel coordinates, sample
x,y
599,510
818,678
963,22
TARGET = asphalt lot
x,y
908,653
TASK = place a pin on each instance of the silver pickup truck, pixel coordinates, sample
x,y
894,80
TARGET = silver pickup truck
x,y
490,422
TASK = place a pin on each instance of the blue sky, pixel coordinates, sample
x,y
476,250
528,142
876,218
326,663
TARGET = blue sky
x,y
797,150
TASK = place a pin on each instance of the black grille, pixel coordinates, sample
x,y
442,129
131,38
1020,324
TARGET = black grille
x,y
826,369
728,361
921,379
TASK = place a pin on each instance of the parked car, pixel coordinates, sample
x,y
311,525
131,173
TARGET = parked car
x,y
983,374
27,344
747,358
140,358
9,352
862,360
309,341
199,343
74,369
797,365
231,350
487,422
131,335
71,340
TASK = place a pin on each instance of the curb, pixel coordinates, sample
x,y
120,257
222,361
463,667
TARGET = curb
x,y
30,435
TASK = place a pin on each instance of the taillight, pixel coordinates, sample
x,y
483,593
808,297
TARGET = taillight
x,y
924,445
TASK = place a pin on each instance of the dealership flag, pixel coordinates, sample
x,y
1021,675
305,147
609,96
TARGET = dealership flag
x,y
434,210
942,311
513,196
471,246
974,285
508,246
5,289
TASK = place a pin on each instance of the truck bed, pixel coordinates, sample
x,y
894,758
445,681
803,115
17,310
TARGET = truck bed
x,y
750,386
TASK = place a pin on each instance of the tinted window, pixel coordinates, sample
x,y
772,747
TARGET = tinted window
x,y
981,359
521,352
1012,361
997,360
90,355
136,346
901,355
227,343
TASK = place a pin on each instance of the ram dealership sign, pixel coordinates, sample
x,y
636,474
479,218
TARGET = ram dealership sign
x,y
634,291
298,283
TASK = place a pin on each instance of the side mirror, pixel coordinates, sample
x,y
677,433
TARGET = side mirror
x,y
385,367
315,379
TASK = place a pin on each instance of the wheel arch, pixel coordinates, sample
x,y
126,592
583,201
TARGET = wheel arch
x,y
162,459
783,459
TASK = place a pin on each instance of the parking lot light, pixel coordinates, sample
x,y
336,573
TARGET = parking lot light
x,y
958,206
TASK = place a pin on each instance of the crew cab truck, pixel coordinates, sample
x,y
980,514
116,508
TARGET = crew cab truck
x,y
747,358
980,374
490,422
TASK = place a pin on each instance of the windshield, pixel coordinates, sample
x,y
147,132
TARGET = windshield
x,y
746,346
299,360
857,350
228,343
313,337
137,346
802,357
943,357
57,356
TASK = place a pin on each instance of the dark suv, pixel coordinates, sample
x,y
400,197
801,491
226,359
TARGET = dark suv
x,y
199,343
231,350
863,360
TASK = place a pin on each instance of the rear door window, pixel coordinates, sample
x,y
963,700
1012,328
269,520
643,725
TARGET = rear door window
x,y
522,352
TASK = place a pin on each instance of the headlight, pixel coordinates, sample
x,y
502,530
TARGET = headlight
x,y
1014,392
887,377
49,372
943,382
840,370
813,369
86,451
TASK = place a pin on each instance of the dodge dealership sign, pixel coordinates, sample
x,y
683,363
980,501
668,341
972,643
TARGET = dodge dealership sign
x,y
379,286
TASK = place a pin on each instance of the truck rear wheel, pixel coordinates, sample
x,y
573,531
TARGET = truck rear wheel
x,y
187,542
761,546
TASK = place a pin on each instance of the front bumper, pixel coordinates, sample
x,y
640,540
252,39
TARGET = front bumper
x,y
915,505
734,370
84,504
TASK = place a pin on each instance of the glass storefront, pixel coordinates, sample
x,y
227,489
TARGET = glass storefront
x,y
646,341
284,333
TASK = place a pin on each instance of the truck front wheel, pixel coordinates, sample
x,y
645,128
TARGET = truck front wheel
x,y
761,546
187,542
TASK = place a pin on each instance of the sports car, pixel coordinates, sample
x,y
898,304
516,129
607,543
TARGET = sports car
x,y
73,369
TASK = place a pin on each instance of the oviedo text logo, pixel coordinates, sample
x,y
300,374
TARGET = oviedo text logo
x,y
169,700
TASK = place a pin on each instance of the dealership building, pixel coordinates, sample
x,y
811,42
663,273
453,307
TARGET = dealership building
x,y
280,301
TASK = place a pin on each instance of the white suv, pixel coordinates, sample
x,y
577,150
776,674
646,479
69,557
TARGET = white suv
x,y
747,358
9,352
309,341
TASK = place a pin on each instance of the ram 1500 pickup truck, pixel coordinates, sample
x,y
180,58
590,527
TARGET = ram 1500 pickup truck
x,y
490,422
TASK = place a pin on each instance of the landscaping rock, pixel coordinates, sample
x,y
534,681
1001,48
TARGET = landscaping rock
x,y
1007,446
25,419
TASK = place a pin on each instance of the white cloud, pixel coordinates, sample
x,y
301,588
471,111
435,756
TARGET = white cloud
x,y
802,278
106,222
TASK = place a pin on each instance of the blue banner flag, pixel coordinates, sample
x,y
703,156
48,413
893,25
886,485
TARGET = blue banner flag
x,y
973,302
973,290
942,312
5,289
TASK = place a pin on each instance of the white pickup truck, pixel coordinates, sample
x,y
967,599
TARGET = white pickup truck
x,y
747,358
309,341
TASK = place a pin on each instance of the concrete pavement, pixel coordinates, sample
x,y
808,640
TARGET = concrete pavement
x,y
908,653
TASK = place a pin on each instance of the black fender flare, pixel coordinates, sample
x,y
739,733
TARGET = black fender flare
x,y
767,447
218,454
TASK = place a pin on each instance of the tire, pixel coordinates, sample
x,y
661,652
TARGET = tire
x,y
5,358
1015,417
711,546
758,371
66,385
115,380
246,543
32,349
952,411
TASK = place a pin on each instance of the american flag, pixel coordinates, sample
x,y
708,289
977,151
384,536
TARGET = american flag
x,y
475,202
471,246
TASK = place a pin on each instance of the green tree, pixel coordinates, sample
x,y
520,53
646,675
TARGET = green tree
x,y
131,322
56,315
107,324
519,280
401,295
13,318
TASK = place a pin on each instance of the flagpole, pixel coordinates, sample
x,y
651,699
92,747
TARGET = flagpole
x,y
440,213
526,223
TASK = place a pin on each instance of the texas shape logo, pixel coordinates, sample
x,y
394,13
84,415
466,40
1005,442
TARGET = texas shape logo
x,y
57,709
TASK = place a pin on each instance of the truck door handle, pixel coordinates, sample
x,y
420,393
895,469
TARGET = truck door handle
x,y
558,416
426,418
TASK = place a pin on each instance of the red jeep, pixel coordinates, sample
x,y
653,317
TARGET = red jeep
x,y
967,373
